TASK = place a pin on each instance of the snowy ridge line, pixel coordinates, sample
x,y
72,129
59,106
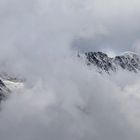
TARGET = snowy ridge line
x,y
127,61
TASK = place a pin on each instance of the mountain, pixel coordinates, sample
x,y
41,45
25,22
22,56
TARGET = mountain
x,y
8,84
4,91
128,61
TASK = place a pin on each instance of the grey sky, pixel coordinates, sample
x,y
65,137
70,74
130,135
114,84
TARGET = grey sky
x,y
86,25
63,99
114,26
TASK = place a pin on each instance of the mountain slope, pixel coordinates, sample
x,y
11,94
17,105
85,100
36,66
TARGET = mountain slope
x,y
4,91
9,84
128,61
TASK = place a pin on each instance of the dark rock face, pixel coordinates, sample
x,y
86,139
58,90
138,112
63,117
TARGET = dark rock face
x,y
4,91
2,84
128,61
101,60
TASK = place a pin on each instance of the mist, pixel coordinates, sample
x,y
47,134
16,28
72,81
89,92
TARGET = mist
x,y
63,99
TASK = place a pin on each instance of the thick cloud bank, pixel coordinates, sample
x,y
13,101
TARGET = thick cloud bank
x,y
63,99
74,103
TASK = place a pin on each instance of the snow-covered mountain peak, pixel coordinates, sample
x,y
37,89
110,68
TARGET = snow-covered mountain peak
x,y
8,84
127,61
129,53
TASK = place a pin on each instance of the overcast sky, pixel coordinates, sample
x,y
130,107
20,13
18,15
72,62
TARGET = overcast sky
x,y
108,25
63,99
111,25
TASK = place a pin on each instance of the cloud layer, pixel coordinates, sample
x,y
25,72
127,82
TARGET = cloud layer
x,y
62,98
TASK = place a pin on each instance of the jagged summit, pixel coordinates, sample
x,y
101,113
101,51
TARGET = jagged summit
x,y
128,61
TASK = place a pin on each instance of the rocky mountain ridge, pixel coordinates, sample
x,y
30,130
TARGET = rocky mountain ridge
x,y
128,61
8,83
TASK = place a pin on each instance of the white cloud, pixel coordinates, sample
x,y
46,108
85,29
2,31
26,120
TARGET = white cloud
x,y
62,98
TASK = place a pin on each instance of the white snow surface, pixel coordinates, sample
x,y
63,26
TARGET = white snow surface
x,y
13,85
